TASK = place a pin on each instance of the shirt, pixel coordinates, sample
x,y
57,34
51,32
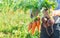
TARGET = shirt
x,y
56,19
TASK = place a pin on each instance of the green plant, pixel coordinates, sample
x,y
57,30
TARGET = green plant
x,y
38,4
48,4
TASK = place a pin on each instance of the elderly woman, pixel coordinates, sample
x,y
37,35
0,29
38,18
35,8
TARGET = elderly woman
x,y
52,31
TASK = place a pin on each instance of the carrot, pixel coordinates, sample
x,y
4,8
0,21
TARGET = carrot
x,y
33,27
38,24
29,26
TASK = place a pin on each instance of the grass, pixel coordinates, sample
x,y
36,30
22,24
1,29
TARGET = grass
x,y
15,25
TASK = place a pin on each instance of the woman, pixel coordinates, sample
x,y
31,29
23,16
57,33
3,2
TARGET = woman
x,y
50,32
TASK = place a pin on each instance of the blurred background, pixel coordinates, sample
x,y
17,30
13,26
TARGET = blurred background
x,y
15,15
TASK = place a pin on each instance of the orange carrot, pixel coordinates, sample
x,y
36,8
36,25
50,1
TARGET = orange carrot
x,y
38,24
33,27
29,26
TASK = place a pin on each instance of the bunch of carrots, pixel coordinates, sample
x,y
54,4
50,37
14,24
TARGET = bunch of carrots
x,y
32,26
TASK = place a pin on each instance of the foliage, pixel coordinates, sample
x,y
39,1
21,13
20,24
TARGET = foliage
x,y
26,4
12,25
39,4
48,4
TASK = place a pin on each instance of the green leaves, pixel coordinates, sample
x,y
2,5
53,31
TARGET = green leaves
x,y
37,4
28,4
47,4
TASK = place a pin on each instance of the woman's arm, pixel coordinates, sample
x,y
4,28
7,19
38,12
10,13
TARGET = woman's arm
x,y
56,13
